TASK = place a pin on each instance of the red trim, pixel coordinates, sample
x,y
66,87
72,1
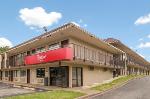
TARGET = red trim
x,y
50,56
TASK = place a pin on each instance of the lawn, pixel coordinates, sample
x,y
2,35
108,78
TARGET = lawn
x,y
60,94
115,82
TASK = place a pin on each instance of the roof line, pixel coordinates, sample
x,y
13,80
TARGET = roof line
x,y
40,36
64,26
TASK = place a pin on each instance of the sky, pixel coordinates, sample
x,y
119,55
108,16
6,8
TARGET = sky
x,y
126,20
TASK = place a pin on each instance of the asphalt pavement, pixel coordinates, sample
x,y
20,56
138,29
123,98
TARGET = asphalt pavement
x,y
8,90
136,89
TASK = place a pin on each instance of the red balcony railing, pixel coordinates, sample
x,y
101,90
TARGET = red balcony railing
x,y
50,56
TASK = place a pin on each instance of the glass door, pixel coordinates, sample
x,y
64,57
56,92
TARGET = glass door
x,y
59,76
77,79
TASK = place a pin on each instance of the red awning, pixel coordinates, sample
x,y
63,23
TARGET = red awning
x,y
50,56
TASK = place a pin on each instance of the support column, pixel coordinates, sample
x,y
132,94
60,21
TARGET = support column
x,y
70,76
5,60
121,71
138,71
125,63
133,71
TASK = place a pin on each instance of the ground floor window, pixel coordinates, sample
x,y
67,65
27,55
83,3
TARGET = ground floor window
x,y
22,73
77,76
40,72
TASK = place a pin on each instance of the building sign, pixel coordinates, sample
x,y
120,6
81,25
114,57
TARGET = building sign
x,y
50,56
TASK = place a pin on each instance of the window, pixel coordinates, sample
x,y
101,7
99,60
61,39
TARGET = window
x,y
64,43
40,72
41,49
22,73
6,73
28,53
33,51
54,46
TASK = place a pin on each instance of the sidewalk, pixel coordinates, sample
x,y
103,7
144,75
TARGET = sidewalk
x,y
86,89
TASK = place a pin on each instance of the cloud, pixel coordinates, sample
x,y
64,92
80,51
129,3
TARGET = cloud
x,y
141,39
38,17
148,36
144,45
80,21
85,25
5,42
143,20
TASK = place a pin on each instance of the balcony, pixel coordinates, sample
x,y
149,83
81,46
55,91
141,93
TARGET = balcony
x,y
96,56
50,56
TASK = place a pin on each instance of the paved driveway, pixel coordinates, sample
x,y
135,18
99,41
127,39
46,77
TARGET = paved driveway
x,y
136,89
9,90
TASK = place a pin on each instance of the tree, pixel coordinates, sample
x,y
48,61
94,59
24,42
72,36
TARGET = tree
x,y
3,49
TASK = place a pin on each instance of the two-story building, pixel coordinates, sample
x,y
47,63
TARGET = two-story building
x,y
67,56
136,64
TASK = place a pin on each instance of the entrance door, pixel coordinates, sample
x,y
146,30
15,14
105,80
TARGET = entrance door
x,y
28,75
59,76
11,75
77,78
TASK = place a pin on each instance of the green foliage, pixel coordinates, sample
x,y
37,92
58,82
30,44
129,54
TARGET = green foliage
x,y
115,82
3,49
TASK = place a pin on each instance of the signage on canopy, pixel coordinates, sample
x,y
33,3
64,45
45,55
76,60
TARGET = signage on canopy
x,y
50,56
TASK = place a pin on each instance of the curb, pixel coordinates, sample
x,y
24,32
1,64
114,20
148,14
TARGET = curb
x,y
107,90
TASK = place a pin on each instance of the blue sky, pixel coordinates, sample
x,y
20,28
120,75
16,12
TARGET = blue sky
x,y
126,20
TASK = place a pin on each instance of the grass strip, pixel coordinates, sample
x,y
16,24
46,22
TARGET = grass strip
x,y
116,82
59,94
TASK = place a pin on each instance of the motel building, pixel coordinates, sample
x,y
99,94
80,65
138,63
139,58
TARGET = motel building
x,y
68,56
135,63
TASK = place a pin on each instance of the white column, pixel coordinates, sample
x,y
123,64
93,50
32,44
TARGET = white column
x,y
121,72
70,76
133,71
5,60
138,71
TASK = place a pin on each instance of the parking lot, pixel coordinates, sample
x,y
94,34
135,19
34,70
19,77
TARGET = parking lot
x,y
8,90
